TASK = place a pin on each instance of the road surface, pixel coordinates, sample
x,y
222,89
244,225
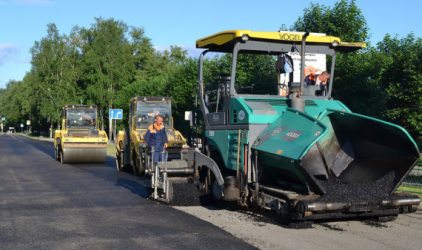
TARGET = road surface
x,y
44,204
47,205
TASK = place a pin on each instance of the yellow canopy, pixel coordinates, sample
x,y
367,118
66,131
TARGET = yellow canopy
x,y
227,38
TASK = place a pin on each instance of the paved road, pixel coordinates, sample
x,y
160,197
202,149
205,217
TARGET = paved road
x,y
403,233
46,205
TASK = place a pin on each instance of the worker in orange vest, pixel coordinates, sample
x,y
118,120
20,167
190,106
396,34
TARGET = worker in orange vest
x,y
320,79
156,137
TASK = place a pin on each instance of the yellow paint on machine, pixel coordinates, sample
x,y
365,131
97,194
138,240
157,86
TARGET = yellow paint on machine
x,y
72,145
80,143
228,36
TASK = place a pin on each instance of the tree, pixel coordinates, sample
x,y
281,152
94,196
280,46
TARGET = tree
x,y
10,102
383,81
114,54
355,78
402,81
53,69
344,20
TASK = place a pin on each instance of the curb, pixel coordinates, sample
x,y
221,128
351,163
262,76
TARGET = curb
x,y
37,138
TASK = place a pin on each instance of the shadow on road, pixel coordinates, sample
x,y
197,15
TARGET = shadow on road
x,y
132,186
125,179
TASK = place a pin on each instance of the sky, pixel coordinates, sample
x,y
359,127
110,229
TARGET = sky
x,y
22,22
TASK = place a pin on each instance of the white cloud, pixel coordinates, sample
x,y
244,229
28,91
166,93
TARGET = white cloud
x,y
9,53
33,2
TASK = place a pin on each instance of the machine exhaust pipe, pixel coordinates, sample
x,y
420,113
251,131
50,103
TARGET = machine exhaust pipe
x,y
302,61
297,102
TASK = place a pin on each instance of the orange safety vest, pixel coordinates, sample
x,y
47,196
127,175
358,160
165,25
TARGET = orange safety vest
x,y
154,128
314,79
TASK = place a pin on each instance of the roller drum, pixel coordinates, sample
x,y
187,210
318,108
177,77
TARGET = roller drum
x,y
84,154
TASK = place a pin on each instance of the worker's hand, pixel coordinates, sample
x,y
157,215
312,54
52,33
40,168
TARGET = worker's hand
x,y
165,145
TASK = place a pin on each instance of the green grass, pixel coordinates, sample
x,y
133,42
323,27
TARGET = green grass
x,y
417,190
31,135
413,183
411,189
111,150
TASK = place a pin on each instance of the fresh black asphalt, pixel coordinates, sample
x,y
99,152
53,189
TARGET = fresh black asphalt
x,y
47,205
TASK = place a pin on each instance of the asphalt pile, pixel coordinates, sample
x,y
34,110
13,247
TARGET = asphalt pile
x,y
185,194
337,191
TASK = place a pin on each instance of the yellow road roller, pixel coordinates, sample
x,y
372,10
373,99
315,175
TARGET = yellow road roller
x,y
131,150
80,140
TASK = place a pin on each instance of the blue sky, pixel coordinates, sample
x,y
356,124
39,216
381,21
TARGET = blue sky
x,y
22,22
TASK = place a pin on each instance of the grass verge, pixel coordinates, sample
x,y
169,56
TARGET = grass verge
x,y
111,150
411,189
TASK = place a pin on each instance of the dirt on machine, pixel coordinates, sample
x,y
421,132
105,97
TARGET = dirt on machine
x,y
285,146
80,140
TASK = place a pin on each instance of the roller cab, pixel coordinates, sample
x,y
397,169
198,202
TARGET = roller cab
x,y
131,149
173,177
80,140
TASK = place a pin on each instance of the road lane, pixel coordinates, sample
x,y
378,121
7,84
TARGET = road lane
x,y
47,205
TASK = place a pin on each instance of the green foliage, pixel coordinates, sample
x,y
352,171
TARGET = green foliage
x,y
382,81
401,79
112,53
110,62
54,72
353,83
345,20
10,102
258,70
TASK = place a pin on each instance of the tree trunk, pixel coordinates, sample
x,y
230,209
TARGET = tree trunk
x,y
51,128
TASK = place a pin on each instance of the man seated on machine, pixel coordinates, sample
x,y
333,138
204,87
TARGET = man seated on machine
x,y
318,80
156,138
87,119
